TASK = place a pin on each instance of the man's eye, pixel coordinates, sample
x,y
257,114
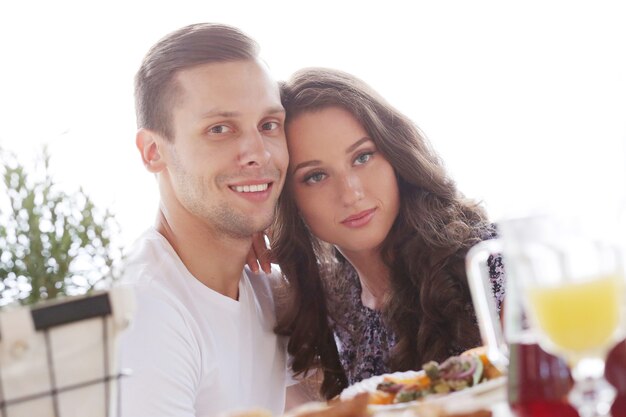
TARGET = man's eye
x,y
314,178
363,158
269,126
219,129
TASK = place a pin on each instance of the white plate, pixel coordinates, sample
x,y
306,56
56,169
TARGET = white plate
x,y
370,384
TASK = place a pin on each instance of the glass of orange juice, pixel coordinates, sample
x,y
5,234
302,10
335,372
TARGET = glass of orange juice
x,y
573,286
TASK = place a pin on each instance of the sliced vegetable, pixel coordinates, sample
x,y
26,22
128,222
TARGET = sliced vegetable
x,y
408,395
432,370
389,386
478,372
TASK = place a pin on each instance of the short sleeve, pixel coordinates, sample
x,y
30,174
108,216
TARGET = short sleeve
x,y
161,353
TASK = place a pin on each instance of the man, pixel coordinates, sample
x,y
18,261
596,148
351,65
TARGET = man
x,y
211,130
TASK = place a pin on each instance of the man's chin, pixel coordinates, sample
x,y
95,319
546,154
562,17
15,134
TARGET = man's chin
x,y
246,228
263,226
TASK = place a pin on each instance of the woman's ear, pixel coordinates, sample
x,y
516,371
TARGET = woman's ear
x,y
149,145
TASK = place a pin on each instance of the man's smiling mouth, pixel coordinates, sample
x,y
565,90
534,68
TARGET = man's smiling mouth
x,y
254,188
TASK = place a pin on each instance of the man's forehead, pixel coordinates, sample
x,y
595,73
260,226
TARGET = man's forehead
x,y
227,89
218,72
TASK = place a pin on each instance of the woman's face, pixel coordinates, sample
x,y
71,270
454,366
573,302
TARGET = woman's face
x,y
345,189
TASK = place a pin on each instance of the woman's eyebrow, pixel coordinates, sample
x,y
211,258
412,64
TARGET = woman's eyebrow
x,y
306,164
318,162
357,144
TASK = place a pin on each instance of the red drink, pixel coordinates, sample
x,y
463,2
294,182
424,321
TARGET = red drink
x,y
615,373
538,383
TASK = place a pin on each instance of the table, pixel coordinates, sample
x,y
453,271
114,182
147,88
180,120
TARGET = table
x,y
495,400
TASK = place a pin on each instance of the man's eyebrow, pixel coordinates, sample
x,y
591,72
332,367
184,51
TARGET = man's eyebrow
x,y
275,110
228,114
220,113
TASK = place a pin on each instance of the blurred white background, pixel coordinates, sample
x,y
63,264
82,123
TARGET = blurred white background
x,y
525,101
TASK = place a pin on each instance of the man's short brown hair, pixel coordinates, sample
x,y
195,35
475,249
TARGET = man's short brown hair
x,y
156,89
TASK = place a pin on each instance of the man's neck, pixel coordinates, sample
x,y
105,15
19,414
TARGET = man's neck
x,y
214,259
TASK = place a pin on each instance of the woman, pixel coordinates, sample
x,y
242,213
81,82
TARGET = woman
x,y
371,234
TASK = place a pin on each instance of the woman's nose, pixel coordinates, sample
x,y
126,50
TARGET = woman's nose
x,y
351,190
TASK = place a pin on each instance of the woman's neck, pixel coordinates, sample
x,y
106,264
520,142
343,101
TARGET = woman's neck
x,y
374,277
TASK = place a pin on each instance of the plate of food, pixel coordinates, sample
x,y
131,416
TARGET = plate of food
x,y
467,376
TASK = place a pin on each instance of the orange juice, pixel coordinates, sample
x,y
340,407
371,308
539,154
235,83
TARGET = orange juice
x,y
579,317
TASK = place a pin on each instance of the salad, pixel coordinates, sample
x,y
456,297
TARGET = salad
x,y
454,374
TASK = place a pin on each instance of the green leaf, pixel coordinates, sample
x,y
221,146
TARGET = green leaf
x,y
48,236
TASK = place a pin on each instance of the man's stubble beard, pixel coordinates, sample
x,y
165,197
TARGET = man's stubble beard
x,y
230,223
222,218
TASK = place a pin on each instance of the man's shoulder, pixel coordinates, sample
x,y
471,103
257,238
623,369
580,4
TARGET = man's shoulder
x,y
150,256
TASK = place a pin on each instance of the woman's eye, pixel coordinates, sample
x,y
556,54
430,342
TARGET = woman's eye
x,y
220,129
270,126
363,158
314,177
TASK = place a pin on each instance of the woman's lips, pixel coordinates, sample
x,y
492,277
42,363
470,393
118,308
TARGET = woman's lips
x,y
359,219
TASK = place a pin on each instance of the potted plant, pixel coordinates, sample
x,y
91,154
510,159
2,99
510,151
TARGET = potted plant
x,y
60,318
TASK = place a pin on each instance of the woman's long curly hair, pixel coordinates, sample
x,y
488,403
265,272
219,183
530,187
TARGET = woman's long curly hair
x,y
429,309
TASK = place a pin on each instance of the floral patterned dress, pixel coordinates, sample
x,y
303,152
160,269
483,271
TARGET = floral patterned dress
x,y
363,340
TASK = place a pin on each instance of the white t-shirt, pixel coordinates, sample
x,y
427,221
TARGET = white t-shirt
x,y
193,351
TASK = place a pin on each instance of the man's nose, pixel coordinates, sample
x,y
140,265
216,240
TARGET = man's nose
x,y
253,150
351,189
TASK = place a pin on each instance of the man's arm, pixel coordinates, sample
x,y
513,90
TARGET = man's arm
x,y
160,351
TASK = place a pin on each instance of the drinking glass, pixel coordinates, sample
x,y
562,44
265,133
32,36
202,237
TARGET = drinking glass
x,y
537,381
572,284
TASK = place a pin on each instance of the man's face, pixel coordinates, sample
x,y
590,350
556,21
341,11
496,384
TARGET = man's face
x,y
227,160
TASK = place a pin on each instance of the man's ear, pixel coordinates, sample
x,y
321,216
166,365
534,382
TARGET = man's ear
x,y
150,146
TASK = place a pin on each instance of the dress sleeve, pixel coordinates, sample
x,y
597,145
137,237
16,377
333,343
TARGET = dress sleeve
x,y
498,278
